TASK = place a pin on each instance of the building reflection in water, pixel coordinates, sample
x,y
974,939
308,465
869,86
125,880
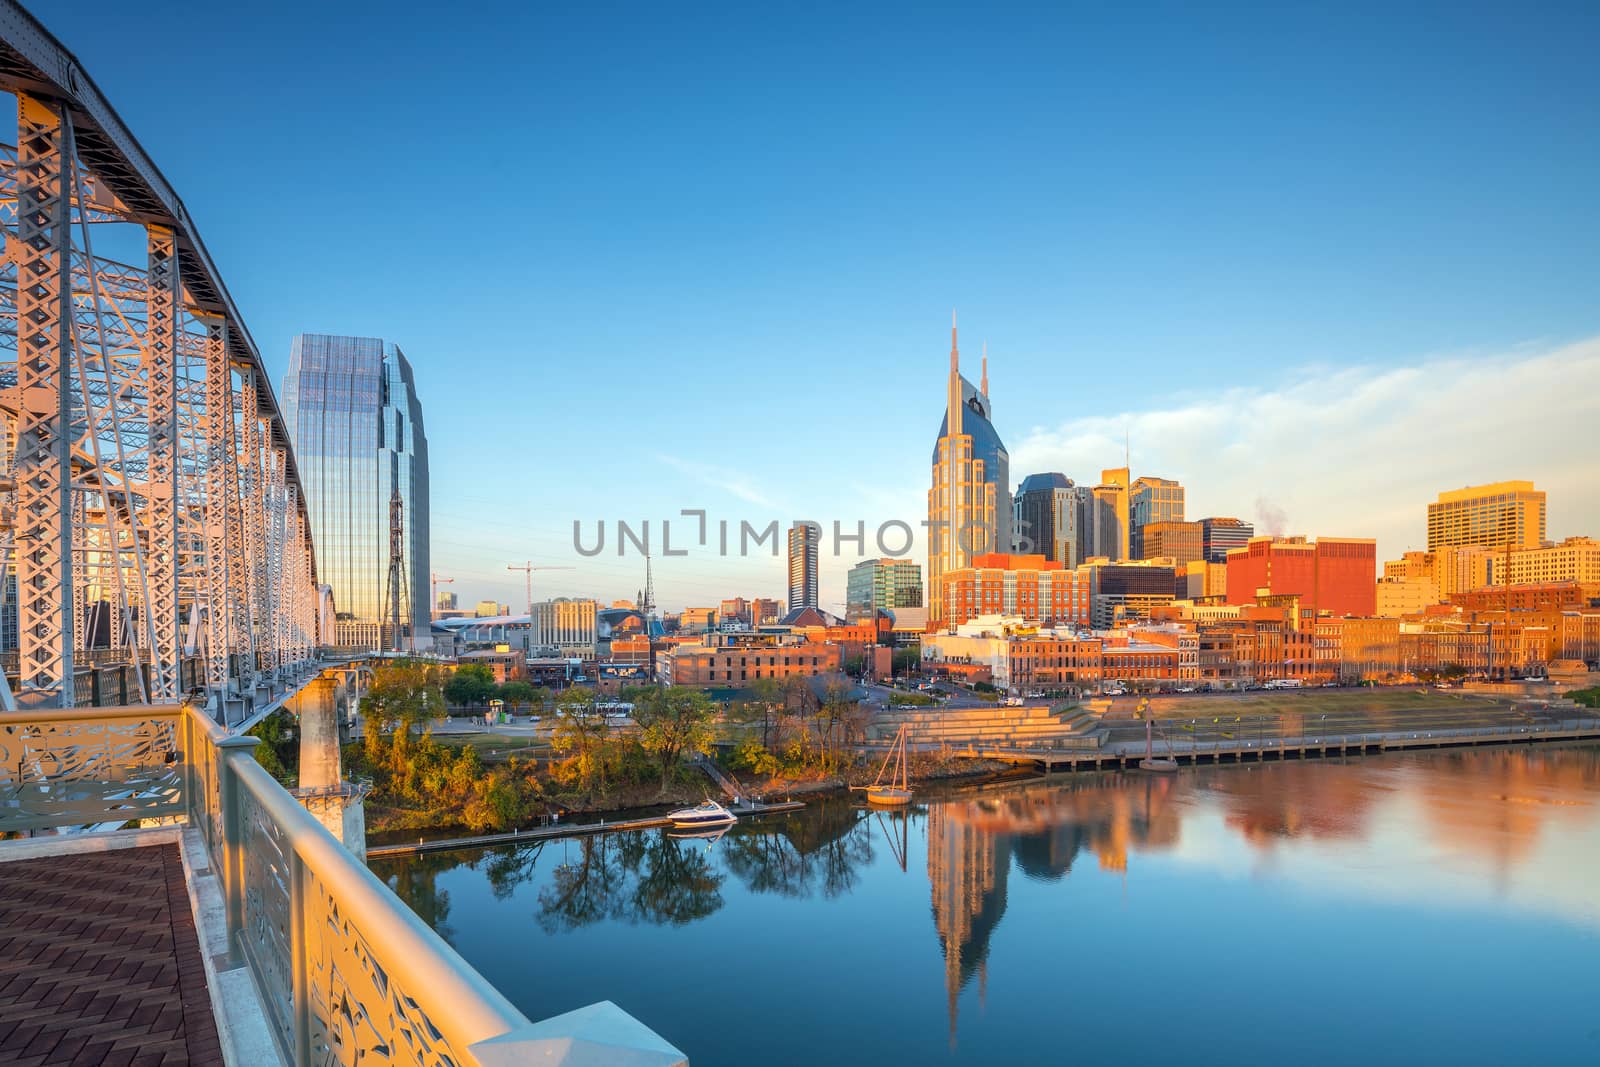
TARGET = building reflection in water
x,y
1490,804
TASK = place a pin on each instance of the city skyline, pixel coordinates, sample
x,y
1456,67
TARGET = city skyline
x,y
1185,264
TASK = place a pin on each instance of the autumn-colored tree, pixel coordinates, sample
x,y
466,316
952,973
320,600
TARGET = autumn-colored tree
x,y
672,721
405,693
581,730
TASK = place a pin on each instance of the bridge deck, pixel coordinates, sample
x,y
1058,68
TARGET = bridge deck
x,y
100,962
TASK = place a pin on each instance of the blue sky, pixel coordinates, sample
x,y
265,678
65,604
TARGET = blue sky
x,y
649,257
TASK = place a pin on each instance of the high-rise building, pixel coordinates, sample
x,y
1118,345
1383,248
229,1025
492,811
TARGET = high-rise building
x,y
448,602
969,501
350,406
1488,515
1111,516
566,625
1177,541
1332,574
488,609
1220,535
1152,500
882,584
803,540
1048,518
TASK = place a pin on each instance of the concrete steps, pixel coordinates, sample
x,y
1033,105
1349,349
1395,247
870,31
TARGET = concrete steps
x,y
996,725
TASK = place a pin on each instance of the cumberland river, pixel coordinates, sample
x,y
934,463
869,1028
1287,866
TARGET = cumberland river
x,y
1440,907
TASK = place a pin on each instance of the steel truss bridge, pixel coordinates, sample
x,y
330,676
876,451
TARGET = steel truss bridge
x,y
151,515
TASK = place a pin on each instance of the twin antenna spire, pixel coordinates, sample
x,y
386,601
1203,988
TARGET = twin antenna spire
x,y
955,356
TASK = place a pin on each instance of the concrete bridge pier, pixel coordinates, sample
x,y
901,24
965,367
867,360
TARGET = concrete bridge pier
x,y
323,792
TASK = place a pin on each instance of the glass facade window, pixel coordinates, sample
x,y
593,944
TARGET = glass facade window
x,y
351,408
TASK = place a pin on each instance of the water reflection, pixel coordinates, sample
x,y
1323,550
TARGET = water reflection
x,y
633,877
1501,832
820,854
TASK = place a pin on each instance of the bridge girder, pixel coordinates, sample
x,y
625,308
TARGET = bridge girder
x,y
149,500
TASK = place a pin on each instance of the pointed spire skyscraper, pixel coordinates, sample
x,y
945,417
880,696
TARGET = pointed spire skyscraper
x,y
969,501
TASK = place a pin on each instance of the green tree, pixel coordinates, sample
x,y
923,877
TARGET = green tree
x,y
405,693
672,721
494,803
277,752
515,693
471,683
907,660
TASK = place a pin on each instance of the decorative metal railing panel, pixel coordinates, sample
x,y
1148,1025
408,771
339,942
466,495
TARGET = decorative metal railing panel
x,y
59,771
359,1012
346,973
268,934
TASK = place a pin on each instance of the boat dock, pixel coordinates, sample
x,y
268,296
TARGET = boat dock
x,y
555,830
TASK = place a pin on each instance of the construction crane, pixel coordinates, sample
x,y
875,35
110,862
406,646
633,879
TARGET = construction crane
x,y
395,592
437,582
527,568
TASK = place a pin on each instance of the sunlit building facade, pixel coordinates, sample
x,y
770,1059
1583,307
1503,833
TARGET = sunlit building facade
x,y
1332,574
1577,559
875,585
969,501
350,405
1151,500
804,539
1498,514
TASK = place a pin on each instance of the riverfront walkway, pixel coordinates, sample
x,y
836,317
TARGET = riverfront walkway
x,y
100,962
1254,750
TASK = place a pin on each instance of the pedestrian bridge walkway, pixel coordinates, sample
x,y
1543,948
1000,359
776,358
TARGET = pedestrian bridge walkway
x,y
229,919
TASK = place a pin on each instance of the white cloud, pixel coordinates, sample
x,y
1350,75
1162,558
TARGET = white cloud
x,y
1360,451
729,481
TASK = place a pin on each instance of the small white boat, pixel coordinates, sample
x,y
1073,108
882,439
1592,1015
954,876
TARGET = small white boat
x,y
701,816
1157,763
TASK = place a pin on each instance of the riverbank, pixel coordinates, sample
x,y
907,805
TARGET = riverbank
x,y
393,825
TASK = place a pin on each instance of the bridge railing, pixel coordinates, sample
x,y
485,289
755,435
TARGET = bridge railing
x,y
343,968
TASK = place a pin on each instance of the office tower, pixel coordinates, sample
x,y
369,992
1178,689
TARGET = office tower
x,y
1219,535
882,584
448,602
1049,514
1177,541
350,406
969,501
1488,515
1110,515
1152,500
803,540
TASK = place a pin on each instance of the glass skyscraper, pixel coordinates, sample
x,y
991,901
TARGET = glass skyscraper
x,y
351,408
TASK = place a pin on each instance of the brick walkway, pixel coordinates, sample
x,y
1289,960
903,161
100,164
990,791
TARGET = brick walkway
x,y
99,963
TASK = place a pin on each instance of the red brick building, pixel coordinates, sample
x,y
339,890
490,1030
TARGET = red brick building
x,y
1031,586
1334,574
